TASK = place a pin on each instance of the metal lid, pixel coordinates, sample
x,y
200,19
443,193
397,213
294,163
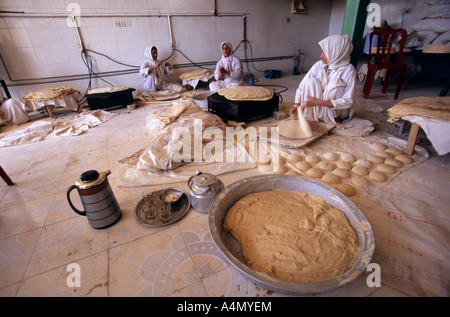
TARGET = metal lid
x,y
201,182
91,179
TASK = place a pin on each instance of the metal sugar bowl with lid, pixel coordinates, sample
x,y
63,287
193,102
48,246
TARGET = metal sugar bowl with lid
x,y
203,188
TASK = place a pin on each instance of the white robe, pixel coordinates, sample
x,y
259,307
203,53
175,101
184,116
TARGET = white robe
x,y
232,64
13,112
154,81
334,81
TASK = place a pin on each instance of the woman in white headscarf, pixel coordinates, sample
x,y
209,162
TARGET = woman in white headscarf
x,y
153,72
228,70
327,91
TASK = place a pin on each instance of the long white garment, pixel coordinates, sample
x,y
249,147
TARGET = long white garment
x,y
13,112
153,81
334,81
232,64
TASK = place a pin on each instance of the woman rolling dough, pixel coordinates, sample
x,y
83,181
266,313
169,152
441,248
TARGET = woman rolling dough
x,y
326,93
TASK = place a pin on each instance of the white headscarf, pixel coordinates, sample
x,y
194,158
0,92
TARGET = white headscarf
x,y
337,49
227,61
148,54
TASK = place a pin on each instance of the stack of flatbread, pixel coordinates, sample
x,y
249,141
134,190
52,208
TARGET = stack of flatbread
x,y
49,93
431,107
246,93
170,114
106,90
196,74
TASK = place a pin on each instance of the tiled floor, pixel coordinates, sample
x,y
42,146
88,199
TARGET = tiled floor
x,y
40,235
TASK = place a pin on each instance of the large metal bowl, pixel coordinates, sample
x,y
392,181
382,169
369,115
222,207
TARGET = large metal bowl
x,y
231,249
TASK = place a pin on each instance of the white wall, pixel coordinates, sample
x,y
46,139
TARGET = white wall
x,y
46,47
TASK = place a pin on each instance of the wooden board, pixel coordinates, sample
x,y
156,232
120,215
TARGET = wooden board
x,y
319,129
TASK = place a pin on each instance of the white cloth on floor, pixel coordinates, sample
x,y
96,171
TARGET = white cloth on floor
x,y
334,81
437,131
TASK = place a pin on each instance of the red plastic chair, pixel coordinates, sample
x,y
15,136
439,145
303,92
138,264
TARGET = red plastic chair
x,y
385,58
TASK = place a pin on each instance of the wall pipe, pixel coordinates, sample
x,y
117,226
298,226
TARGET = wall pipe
x,y
43,80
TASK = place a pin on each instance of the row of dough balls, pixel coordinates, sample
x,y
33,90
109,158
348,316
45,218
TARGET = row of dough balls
x,y
333,167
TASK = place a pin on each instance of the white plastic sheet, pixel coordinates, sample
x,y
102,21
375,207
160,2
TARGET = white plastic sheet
x,y
437,131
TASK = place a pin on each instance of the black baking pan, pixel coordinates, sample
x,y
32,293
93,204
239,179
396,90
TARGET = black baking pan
x,y
241,111
110,99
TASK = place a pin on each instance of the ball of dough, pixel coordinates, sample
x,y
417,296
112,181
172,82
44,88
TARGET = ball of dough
x,y
379,146
384,154
280,169
264,159
294,158
281,160
265,168
315,172
347,190
341,173
291,173
393,162
394,151
303,166
344,165
375,159
348,158
330,178
359,181
325,166
330,156
404,159
363,163
377,176
312,159
386,168
360,170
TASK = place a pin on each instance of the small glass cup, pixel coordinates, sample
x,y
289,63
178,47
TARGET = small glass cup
x,y
149,206
164,212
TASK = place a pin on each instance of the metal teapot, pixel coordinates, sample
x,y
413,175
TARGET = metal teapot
x,y
97,197
203,188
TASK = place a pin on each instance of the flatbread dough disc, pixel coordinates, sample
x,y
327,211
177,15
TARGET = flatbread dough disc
x,y
242,93
293,129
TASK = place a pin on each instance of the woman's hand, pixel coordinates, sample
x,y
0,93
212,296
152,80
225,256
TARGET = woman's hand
x,y
312,101
294,109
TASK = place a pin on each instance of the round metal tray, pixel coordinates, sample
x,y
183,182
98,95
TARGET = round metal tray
x,y
178,210
231,248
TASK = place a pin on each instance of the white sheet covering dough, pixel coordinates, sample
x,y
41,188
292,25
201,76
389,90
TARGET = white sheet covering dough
x,y
437,131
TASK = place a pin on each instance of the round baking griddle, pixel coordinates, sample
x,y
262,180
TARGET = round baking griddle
x,y
241,110
232,250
